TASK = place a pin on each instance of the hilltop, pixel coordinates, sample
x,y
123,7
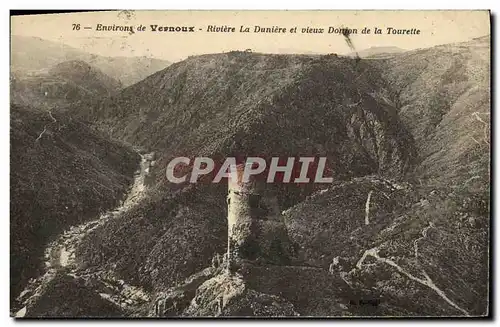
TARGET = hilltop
x,y
443,97
62,173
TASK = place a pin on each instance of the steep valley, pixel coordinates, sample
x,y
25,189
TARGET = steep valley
x,y
402,231
62,174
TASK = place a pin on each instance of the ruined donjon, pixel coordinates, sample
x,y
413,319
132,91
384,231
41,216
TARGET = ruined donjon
x,y
256,230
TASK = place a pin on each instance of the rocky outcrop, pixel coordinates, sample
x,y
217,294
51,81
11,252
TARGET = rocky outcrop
x,y
61,264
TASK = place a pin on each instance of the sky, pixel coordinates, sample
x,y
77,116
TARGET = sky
x,y
436,27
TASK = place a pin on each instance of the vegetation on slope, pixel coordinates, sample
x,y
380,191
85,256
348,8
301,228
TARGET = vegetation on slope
x,y
236,104
438,232
412,244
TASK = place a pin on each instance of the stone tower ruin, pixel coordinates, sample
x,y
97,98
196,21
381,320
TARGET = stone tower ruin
x,y
256,231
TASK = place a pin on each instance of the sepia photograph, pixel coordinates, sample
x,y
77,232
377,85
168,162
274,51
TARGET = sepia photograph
x,y
250,164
